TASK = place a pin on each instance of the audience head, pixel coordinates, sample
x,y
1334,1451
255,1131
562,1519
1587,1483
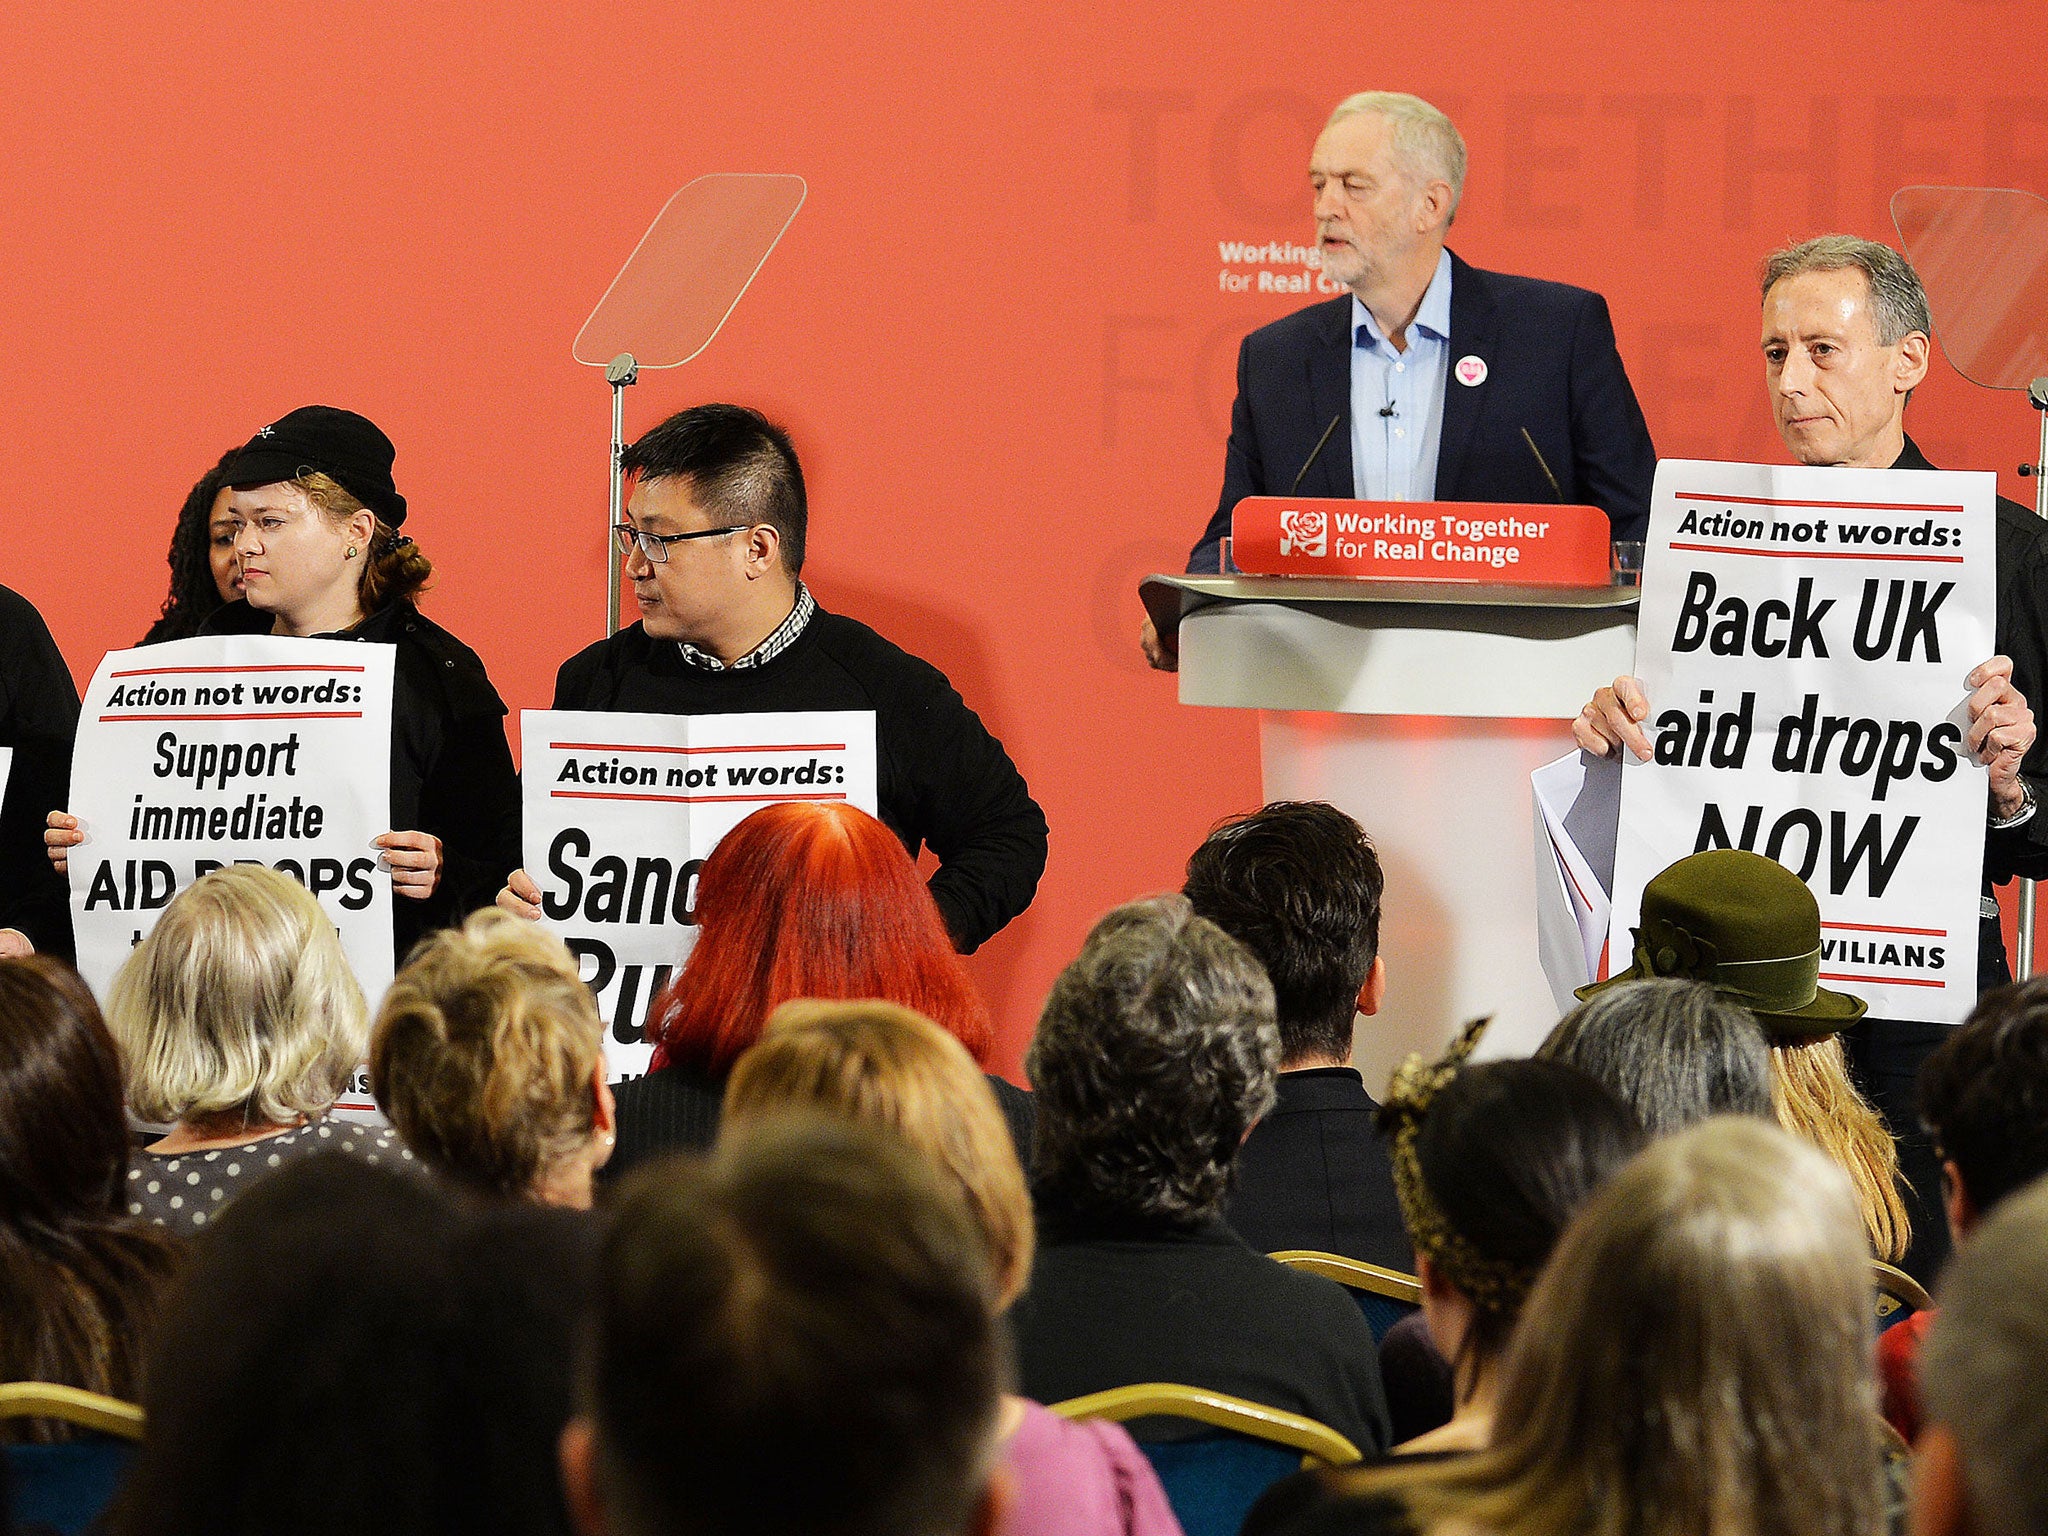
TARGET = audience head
x,y
1491,1162
353,1349
1818,1101
1704,1359
336,466
1674,1051
204,571
1981,1465
488,1057
302,1378
1298,884
810,899
1984,1098
885,1065
239,1001
1155,1055
78,1280
1750,928
736,464
795,1338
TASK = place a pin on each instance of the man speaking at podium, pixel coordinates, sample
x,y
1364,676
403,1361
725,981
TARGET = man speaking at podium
x,y
1420,385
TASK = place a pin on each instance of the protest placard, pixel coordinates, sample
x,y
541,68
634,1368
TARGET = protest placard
x,y
233,749
1803,641
621,810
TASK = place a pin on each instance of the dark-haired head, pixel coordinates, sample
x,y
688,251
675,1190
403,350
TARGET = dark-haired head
x,y
79,1280
354,1348
1675,1051
814,1284
1984,1098
200,582
1298,884
301,1378
1507,1152
738,465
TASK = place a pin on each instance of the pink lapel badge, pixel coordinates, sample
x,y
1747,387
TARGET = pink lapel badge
x,y
1471,370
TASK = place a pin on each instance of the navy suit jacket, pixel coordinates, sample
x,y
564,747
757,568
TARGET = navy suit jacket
x,y
1551,366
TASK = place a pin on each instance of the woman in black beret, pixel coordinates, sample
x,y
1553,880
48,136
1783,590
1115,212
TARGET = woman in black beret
x,y
316,517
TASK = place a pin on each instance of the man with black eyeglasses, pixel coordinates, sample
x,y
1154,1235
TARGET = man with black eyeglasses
x,y
714,544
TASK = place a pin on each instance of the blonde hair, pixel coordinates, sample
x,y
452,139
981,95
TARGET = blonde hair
x,y
1697,1358
1816,1101
393,569
240,998
884,1064
485,1054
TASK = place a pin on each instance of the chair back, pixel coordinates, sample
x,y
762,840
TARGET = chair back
x,y
1899,1295
67,1486
1385,1296
1213,1477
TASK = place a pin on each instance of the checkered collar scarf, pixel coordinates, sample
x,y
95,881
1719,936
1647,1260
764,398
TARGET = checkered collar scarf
x,y
782,639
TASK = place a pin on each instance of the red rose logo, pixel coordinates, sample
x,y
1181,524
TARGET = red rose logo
x,y
1305,533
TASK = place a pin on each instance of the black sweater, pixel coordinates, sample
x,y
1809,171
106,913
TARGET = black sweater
x,y
451,770
677,1110
38,719
941,778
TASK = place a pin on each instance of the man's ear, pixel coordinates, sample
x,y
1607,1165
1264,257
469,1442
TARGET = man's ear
x,y
606,1116
764,550
1910,368
1432,206
1956,1202
576,1453
1940,1504
1374,992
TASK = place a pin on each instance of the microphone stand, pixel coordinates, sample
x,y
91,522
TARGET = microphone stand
x,y
619,372
2037,397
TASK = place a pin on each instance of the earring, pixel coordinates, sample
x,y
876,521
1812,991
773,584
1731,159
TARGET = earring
x,y
351,551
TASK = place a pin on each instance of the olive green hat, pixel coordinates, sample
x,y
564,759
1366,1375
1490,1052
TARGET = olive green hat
x,y
1750,928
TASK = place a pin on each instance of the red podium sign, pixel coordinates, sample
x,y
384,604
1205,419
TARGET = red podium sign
x,y
1534,545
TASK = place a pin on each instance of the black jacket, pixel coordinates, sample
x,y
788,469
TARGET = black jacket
x,y
1552,367
942,780
451,770
38,719
2022,634
1113,1305
677,1110
1314,1174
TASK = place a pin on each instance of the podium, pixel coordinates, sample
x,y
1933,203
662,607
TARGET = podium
x,y
1420,707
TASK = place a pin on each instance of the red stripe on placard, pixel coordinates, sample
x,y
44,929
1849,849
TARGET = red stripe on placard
x,y
1932,933
600,746
171,671
1816,554
1883,981
1853,506
315,714
589,794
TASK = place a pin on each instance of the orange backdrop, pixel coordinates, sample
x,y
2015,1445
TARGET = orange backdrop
x,y
999,329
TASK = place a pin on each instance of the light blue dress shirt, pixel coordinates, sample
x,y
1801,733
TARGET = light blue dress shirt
x,y
1393,458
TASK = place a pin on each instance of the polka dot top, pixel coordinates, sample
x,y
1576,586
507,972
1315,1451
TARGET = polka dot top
x,y
186,1190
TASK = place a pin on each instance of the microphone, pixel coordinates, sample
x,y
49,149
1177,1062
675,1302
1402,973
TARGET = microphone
x,y
1555,489
1313,452
1388,410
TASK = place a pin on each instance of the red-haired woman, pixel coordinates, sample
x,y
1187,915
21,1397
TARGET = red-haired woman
x,y
799,900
